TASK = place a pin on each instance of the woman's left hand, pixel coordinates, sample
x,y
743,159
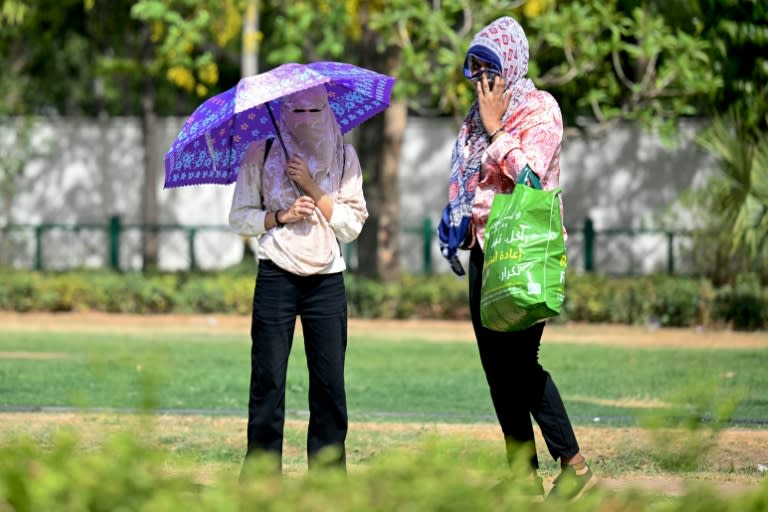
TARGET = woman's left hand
x,y
493,103
298,172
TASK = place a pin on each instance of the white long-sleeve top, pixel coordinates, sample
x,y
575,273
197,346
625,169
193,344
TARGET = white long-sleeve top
x,y
310,246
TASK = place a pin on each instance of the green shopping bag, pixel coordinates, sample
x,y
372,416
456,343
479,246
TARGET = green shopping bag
x,y
523,279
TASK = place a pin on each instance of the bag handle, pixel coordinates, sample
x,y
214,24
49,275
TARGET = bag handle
x,y
527,174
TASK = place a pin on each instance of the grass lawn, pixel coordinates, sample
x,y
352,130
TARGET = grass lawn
x,y
403,379
403,388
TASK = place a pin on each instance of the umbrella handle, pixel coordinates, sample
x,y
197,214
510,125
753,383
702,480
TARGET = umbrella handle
x,y
285,150
277,130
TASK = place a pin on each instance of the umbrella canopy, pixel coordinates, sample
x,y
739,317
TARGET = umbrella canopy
x,y
213,140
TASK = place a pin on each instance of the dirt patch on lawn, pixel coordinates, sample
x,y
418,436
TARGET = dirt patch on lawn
x,y
37,356
430,330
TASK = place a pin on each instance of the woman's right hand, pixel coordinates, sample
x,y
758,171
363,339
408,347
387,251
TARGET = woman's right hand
x,y
493,103
301,208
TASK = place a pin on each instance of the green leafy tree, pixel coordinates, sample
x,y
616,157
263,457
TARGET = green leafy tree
x,y
12,12
612,61
47,57
164,45
647,61
117,57
732,206
175,42
17,142
737,32
14,144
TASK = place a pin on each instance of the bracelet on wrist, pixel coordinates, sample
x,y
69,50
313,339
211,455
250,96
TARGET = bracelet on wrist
x,y
495,132
277,219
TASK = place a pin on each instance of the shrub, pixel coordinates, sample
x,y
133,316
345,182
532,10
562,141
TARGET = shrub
x,y
661,299
432,296
675,303
585,298
369,299
744,304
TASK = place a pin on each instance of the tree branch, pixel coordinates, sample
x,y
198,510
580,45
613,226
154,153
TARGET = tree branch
x,y
467,25
596,111
619,70
648,73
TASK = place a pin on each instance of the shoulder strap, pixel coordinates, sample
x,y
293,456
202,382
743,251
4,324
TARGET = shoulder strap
x,y
267,147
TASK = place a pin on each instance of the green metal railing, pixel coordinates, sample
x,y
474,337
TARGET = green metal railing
x,y
114,229
591,236
427,233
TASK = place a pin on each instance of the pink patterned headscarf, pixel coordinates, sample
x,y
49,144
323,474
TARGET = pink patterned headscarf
x,y
502,43
310,130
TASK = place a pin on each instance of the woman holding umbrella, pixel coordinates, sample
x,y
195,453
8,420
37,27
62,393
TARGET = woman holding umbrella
x,y
300,198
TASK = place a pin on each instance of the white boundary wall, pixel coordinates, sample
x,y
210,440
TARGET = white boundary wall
x,y
94,170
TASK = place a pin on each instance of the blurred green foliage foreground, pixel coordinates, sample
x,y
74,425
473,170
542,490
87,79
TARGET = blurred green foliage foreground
x,y
126,473
660,300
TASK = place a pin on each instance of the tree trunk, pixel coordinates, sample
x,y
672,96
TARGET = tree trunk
x,y
249,60
380,141
249,65
149,218
379,144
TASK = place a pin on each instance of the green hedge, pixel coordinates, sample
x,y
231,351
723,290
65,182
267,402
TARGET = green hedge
x,y
661,300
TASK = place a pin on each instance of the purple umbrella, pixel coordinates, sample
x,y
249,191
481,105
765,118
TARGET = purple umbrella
x,y
213,140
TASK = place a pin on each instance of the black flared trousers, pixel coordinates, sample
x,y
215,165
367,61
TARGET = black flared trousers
x,y
320,302
519,386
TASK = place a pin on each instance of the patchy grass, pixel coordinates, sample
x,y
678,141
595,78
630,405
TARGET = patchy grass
x,y
398,375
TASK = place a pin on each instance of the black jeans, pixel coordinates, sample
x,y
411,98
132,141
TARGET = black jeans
x,y
519,386
320,302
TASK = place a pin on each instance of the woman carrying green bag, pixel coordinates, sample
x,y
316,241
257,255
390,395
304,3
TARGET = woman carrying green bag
x,y
510,125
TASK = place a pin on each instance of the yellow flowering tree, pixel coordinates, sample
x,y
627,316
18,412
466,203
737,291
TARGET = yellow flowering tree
x,y
176,41
184,35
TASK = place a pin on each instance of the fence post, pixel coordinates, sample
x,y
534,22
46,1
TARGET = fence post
x,y
427,233
349,254
114,242
39,247
670,253
589,245
191,232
